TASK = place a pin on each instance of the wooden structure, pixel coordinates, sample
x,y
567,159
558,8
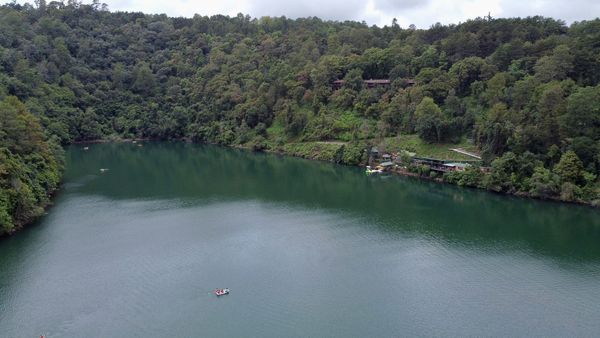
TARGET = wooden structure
x,y
432,163
445,166
377,83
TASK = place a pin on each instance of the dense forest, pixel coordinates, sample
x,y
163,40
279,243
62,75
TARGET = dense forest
x,y
30,165
524,91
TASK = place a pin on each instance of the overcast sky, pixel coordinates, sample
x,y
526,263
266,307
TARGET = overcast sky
x,y
422,13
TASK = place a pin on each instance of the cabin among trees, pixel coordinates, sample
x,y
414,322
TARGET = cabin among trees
x,y
442,166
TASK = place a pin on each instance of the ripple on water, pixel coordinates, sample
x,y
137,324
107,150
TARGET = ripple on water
x,y
323,252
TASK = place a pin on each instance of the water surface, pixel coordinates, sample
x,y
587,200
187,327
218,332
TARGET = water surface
x,y
307,248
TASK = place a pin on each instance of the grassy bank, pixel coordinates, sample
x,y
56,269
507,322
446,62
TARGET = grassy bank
x,y
353,153
414,144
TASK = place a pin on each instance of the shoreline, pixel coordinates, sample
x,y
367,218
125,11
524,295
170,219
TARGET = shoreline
x,y
397,171
18,227
405,173
280,151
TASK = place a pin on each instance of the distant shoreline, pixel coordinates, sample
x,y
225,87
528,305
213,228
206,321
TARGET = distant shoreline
x,y
396,171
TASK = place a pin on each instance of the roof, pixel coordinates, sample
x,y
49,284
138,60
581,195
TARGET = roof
x,y
428,159
371,81
457,164
377,81
386,164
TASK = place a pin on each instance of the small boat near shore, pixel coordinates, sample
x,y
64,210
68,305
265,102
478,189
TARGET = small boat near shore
x,y
371,171
221,292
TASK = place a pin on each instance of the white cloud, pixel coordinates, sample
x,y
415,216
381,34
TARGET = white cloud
x,y
445,12
422,13
186,8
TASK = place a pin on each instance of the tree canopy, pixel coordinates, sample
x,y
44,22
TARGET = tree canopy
x,y
513,85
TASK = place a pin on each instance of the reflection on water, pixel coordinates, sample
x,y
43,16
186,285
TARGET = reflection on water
x,y
307,248
464,216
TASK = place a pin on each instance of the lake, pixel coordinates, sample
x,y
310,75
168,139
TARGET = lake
x,y
308,249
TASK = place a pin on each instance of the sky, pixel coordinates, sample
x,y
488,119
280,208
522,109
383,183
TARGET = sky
x,y
422,13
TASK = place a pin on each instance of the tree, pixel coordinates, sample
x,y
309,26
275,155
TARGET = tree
x,y
430,120
354,79
586,149
583,113
40,4
429,59
527,87
295,122
144,81
29,165
550,106
570,192
465,72
495,91
20,131
436,83
543,183
570,168
493,131
119,76
89,128
556,66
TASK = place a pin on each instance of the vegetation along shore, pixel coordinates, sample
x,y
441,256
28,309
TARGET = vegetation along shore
x,y
521,93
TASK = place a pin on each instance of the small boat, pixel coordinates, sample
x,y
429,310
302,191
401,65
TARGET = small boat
x,y
86,148
102,170
370,171
221,292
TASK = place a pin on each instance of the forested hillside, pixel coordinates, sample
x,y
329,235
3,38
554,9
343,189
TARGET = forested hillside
x,y
525,91
30,166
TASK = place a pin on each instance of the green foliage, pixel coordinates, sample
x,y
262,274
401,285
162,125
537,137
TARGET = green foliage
x,y
570,192
512,85
354,153
511,172
430,120
471,177
413,143
354,79
544,183
143,79
583,113
570,168
493,131
556,66
314,150
30,165
295,122
467,71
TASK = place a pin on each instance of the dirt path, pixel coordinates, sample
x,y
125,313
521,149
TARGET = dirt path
x,y
464,152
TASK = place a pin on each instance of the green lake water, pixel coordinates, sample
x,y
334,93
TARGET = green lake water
x,y
308,249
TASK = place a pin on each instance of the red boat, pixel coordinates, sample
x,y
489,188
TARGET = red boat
x,y
221,292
